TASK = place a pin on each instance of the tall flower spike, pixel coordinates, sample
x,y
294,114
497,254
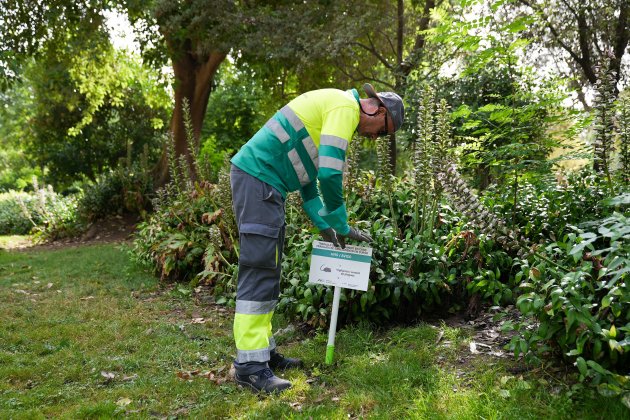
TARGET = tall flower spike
x,y
423,143
488,223
384,167
624,139
603,126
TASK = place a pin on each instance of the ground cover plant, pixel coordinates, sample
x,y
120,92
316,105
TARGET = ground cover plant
x,y
87,334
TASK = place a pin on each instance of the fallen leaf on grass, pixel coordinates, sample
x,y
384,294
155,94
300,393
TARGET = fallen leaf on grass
x,y
473,347
24,292
108,375
439,337
49,285
130,378
209,374
123,402
187,374
87,298
198,321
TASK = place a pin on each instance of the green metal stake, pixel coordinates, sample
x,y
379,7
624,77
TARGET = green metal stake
x,y
330,348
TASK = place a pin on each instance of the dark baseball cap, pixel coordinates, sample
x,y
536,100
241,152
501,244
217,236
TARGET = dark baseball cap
x,y
391,101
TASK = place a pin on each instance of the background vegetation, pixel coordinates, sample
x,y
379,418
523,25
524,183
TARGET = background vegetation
x,y
466,204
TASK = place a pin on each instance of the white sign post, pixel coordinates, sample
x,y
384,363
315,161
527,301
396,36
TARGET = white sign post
x,y
348,268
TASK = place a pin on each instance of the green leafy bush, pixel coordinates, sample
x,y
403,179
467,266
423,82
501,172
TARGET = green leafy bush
x,y
545,206
13,219
124,189
51,215
411,274
189,236
582,311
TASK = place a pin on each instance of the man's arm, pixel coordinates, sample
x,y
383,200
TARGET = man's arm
x,y
312,204
337,129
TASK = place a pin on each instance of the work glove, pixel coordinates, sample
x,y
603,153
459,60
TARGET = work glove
x,y
329,235
355,234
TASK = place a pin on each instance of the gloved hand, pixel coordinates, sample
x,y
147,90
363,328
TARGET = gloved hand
x,y
329,235
355,234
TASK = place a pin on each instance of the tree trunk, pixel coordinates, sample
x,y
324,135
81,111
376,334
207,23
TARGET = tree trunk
x,y
193,82
405,66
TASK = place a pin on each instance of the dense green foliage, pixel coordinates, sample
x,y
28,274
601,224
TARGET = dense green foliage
x,y
91,113
585,311
13,219
44,212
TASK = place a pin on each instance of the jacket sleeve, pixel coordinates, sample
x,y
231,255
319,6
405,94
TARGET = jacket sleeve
x,y
337,129
313,204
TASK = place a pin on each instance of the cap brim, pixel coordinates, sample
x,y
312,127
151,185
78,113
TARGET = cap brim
x,y
371,93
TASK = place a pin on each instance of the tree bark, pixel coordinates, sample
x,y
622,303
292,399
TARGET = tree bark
x,y
405,66
193,82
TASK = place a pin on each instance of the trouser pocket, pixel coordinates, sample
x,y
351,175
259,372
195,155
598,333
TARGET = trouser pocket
x,y
259,245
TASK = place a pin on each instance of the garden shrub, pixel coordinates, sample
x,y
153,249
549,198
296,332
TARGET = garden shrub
x,y
189,236
545,206
50,214
581,302
119,190
13,219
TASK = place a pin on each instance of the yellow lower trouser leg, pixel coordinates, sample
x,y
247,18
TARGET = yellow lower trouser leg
x,y
251,334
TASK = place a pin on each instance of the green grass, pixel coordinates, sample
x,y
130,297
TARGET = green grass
x,y
68,315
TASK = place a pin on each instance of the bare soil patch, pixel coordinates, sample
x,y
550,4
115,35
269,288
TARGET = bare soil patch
x,y
113,229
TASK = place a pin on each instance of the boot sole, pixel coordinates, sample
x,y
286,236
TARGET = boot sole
x,y
252,388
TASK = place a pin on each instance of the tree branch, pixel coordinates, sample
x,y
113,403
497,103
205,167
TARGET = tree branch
x,y
622,37
389,40
588,71
586,61
374,52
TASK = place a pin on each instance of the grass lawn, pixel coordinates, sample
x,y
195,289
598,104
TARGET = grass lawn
x,y
85,334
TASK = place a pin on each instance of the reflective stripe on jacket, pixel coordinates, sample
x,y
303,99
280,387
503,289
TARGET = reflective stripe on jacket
x,y
304,142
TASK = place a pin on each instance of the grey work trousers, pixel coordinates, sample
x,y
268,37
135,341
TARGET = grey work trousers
x,y
260,216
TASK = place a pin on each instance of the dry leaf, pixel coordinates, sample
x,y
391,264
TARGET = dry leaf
x,y
187,374
439,337
123,402
49,285
473,347
208,218
87,298
108,375
198,321
130,378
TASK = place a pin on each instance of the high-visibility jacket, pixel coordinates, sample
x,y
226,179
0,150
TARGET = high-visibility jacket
x,y
304,142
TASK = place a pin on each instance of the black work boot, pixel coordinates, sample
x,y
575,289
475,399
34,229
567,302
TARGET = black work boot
x,y
278,361
263,381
